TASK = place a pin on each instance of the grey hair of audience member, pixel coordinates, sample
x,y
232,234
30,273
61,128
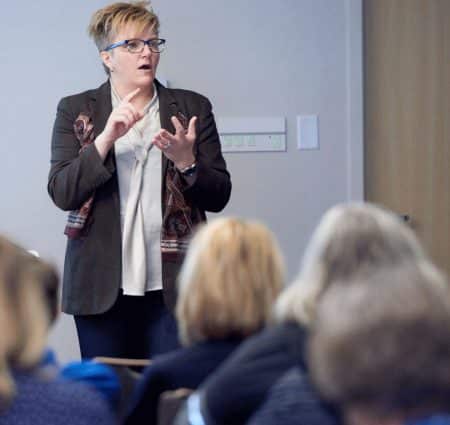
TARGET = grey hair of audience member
x,y
351,239
380,345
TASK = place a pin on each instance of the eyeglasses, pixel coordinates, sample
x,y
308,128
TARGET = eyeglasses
x,y
136,45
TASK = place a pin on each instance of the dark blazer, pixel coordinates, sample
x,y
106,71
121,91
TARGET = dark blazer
x,y
183,368
92,267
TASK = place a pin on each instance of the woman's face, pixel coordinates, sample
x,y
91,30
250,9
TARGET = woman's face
x,y
131,70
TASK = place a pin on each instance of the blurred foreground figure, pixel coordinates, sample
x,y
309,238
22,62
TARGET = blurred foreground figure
x,y
380,349
30,392
228,283
351,240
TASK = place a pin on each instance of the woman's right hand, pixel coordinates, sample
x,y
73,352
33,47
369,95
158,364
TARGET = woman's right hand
x,y
122,118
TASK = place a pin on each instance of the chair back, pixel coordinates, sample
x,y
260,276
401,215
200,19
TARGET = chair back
x,y
169,404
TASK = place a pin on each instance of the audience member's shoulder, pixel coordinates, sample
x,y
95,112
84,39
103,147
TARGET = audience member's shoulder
x,y
292,400
284,332
262,356
56,401
285,337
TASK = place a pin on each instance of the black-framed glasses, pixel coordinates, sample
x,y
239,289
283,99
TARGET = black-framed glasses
x,y
136,45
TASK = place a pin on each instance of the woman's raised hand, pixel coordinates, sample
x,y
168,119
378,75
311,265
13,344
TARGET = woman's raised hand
x,y
122,118
178,147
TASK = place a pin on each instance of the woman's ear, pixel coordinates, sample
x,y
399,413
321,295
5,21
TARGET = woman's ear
x,y
106,59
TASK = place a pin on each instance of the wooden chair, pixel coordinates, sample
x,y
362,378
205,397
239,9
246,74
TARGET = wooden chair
x,y
129,372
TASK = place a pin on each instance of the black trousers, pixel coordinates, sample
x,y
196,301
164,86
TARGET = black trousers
x,y
135,327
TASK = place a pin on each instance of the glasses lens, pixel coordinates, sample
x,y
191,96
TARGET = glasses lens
x,y
157,45
135,46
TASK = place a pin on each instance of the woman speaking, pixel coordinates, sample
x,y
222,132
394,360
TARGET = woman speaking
x,y
136,165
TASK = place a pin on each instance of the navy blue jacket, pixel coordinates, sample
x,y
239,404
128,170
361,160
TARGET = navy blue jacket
x,y
241,384
183,368
41,400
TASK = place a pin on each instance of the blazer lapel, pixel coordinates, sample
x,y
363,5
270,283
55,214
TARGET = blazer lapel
x,y
168,106
102,110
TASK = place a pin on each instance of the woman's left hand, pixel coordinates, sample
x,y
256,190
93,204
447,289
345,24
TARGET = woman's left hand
x,y
178,147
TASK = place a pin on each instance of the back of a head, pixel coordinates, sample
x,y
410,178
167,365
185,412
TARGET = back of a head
x,y
28,292
231,276
380,347
351,240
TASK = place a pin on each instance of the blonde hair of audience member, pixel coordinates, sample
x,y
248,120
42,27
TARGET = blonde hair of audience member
x,y
231,276
107,22
351,239
380,346
26,284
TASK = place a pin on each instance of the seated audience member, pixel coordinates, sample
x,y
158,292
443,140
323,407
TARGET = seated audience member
x,y
380,348
293,400
29,391
228,283
351,240
100,377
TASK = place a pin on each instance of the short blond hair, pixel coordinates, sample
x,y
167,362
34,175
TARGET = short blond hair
x,y
108,21
227,285
351,240
25,312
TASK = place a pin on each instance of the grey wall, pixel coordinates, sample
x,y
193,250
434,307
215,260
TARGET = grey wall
x,y
251,58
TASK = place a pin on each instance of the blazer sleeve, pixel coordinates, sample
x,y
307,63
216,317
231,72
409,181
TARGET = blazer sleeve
x,y
73,176
210,187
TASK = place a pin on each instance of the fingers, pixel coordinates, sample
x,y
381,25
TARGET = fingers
x,y
162,145
176,145
130,96
166,142
180,129
130,109
127,111
191,133
164,138
126,103
176,123
167,137
122,119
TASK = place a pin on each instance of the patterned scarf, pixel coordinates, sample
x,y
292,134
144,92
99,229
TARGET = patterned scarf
x,y
76,221
180,216
178,220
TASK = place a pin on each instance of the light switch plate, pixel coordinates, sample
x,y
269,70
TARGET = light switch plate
x,y
307,132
